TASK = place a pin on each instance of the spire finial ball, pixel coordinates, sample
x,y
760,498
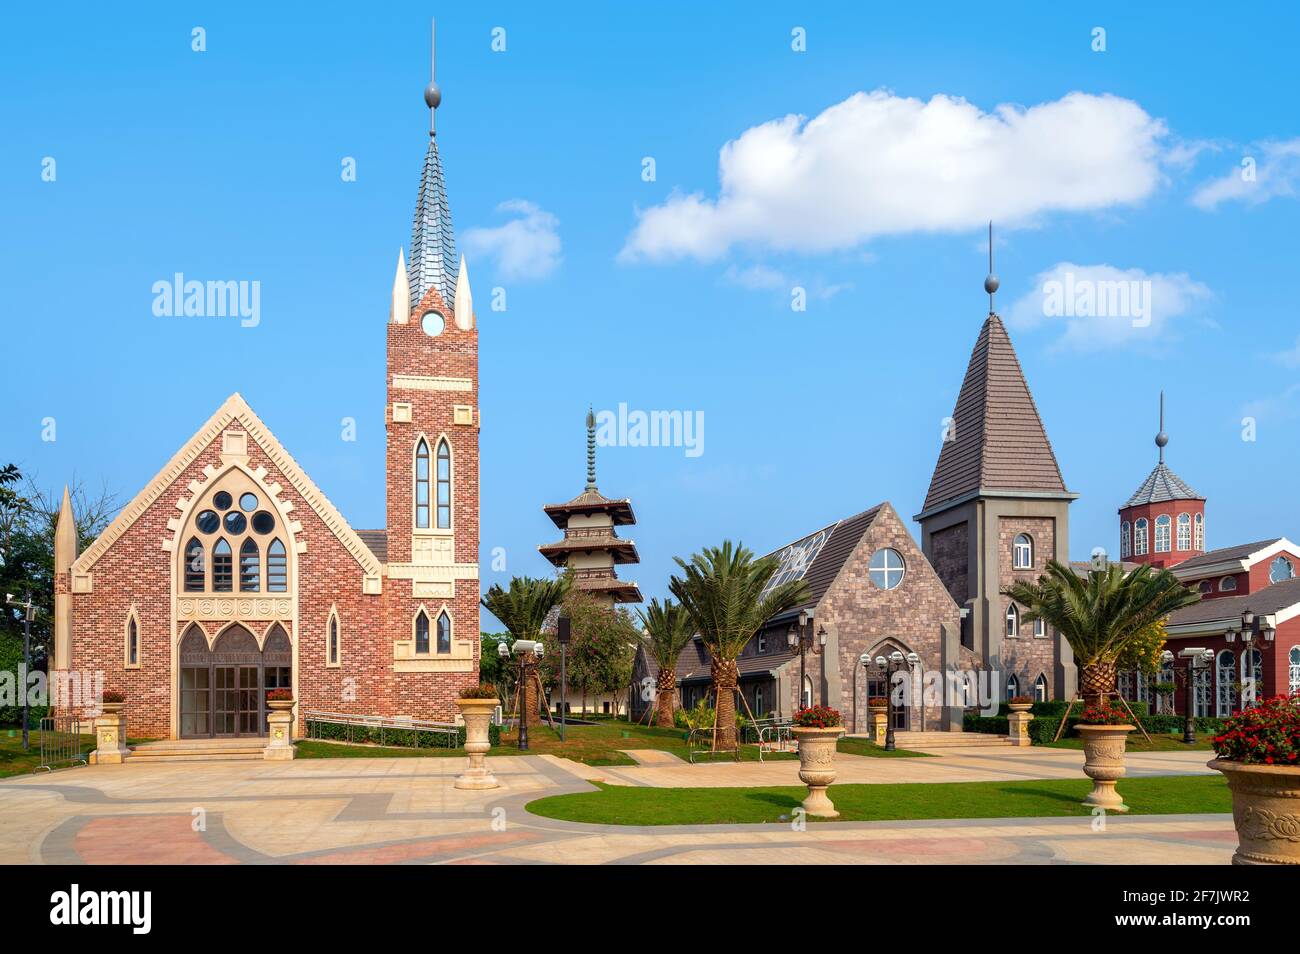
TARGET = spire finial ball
x,y
991,284
1162,439
433,96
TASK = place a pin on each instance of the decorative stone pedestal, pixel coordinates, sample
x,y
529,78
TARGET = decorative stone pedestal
x,y
817,767
477,714
1265,810
1018,725
1103,762
879,725
279,744
110,738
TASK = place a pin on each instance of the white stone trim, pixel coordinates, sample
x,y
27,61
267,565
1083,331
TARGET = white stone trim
x,y
429,382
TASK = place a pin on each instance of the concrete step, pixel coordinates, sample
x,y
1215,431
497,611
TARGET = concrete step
x,y
196,750
195,756
937,740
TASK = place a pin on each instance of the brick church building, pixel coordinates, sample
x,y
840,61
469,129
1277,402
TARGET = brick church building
x,y
231,573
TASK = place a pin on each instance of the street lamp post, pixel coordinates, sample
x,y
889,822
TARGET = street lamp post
x,y
1197,661
1252,629
801,637
896,662
563,632
29,614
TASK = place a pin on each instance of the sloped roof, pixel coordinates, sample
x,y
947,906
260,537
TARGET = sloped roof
x,y
1271,599
998,440
1238,552
377,541
695,665
819,568
1161,484
433,243
591,501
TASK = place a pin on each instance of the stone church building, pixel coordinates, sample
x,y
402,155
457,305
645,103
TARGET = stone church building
x,y
231,573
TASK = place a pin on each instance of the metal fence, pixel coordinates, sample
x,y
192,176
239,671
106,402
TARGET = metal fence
x,y
61,742
373,728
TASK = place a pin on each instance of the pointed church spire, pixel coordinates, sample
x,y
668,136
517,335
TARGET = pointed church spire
x,y
65,535
433,243
464,300
591,450
400,309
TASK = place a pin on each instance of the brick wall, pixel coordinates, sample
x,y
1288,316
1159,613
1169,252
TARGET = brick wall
x,y
1026,655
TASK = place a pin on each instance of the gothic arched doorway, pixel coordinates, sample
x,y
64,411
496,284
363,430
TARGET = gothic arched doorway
x,y
223,690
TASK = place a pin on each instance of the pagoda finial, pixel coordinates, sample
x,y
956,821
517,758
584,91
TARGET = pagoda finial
x,y
432,94
1161,437
591,449
991,282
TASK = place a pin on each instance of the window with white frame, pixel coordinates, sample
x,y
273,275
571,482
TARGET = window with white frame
x,y
1125,540
1225,691
1039,629
761,643
1013,686
1013,620
1140,537
1227,584
1125,684
1198,532
1163,524
1280,569
1293,676
1040,688
1184,531
1022,555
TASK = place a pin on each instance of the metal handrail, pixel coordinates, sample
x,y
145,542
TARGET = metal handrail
x,y
60,742
776,737
353,721
700,741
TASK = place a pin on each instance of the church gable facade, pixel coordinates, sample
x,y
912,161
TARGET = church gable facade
x,y
231,574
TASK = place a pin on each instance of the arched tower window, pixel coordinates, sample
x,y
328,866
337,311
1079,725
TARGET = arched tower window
x,y
1280,569
1140,537
1023,552
1198,532
1125,541
1040,688
277,567
1013,686
1163,525
132,641
1184,531
223,567
444,486
422,485
332,639
194,566
444,632
1013,620
250,567
421,633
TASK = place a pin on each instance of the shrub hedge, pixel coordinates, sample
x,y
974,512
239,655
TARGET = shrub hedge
x,y
1043,728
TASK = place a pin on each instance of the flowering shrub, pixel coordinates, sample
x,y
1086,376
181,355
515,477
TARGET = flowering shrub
x,y
1105,714
112,695
818,717
280,695
1265,734
1021,700
879,702
482,691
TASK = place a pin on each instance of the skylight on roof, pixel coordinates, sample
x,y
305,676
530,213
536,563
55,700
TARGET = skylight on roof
x,y
795,559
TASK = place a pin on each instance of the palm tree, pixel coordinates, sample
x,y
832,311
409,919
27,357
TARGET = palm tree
x,y
668,629
523,609
1100,613
725,591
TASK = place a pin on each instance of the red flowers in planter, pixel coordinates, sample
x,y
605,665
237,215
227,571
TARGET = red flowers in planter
x,y
1105,714
818,717
112,695
280,695
1021,700
1265,734
878,702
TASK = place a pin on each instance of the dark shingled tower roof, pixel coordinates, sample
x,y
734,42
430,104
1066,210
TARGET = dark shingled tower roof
x,y
998,441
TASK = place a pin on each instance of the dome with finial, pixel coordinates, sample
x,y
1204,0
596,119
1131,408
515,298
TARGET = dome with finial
x,y
1162,484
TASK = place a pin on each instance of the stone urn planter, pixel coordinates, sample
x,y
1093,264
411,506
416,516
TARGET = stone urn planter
x,y
817,760
879,722
110,731
477,714
279,725
1019,706
1018,722
280,705
1103,762
1265,797
112,708
1265,810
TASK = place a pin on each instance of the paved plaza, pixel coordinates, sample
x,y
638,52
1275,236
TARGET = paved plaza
x,y
405,810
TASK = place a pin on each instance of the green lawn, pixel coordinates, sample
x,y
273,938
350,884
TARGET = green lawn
x,y
14,761
598,745
1160,742
625,805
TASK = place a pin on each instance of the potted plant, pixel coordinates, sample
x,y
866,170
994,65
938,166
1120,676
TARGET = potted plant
x,y
878,704
279,700
476,705
1019,703
817,729
1105,730
112,701
1259,754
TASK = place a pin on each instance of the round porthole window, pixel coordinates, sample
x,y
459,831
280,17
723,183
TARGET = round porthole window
x,y
263,522
248,502
222,500
235,522
887,568
433,323
208,521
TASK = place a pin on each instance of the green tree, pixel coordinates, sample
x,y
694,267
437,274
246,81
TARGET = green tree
x,y
727,594
492,669
523,608
601,649
668,629
1100,614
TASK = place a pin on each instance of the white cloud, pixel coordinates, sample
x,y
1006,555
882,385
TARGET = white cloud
x,y
526,247
1101,306
756,278
1271,171
879,164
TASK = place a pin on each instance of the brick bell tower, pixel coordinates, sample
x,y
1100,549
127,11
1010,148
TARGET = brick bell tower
x,y
1163,523
433,455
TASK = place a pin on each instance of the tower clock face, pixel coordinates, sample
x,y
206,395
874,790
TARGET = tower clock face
x,y
432,323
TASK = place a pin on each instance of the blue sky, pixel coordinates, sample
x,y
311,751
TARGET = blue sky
x,y
225,165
